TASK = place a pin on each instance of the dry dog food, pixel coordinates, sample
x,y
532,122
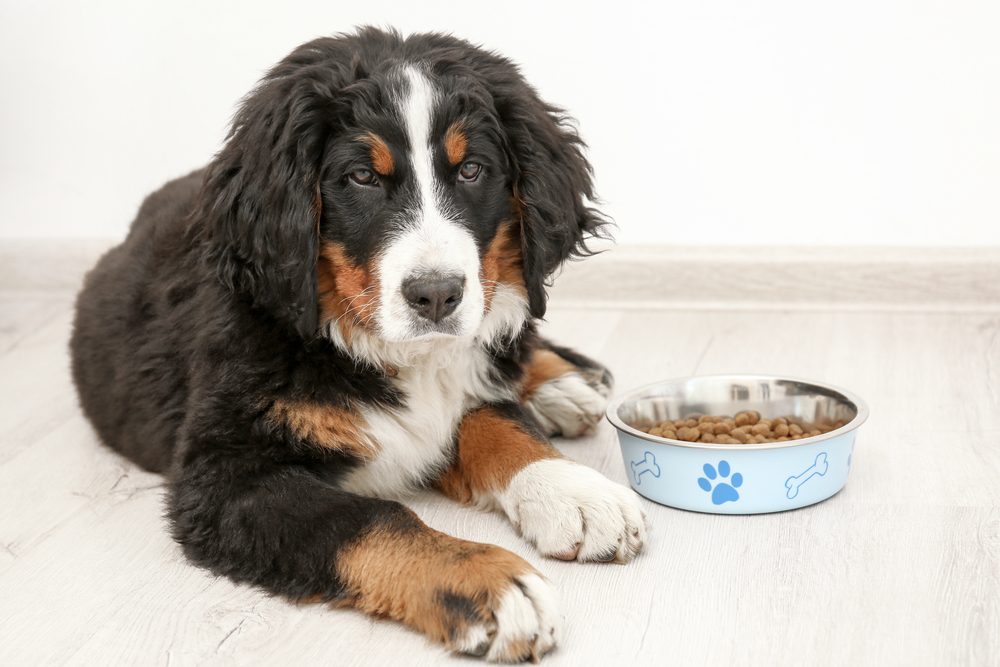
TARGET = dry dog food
x,y
746,428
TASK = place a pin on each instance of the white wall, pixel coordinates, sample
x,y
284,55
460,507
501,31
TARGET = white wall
x,y
853,122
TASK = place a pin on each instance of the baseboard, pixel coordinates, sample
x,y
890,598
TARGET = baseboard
x,y
785,278
670,277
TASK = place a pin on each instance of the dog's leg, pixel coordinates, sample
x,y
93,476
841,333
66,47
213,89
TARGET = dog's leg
x,y
568,510
565,391
297,536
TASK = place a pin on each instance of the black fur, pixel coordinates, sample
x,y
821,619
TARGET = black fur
x,y
207,313
551,178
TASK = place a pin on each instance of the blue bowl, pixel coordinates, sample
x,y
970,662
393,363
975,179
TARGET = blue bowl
x,y
737,479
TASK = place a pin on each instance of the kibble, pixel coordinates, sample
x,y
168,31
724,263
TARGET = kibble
x,y
747,427
688,433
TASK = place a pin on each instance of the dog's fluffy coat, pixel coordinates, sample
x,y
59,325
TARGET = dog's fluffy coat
x,y
249,340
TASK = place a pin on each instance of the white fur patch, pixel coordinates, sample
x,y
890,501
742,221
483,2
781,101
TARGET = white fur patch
x,y
475,641
526,613
441,380
526,618
432,242
570,511
568,405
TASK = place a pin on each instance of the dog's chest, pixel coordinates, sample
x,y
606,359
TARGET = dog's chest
x,y
415,443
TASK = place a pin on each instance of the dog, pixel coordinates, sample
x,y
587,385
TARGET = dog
x,y
341,308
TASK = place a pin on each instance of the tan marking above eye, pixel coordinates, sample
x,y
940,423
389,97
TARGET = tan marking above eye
x,y
456,143
381,155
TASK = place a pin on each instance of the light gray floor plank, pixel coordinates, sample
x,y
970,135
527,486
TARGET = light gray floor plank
x,y
902,567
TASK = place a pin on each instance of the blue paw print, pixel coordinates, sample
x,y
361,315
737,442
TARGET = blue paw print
x,y
724,491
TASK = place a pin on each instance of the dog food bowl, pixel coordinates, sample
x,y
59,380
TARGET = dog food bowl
x,y
737,479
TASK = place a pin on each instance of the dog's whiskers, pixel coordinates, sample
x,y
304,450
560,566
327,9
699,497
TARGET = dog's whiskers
x,y
350,306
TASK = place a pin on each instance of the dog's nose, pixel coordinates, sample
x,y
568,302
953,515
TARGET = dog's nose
x,y
434,296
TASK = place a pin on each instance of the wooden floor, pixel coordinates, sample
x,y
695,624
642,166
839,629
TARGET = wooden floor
x,y
900,568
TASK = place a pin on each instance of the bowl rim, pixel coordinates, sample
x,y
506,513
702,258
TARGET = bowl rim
x,y
611,413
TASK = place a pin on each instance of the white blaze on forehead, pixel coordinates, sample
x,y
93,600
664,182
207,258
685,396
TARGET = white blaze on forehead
x,y
431,241
418,112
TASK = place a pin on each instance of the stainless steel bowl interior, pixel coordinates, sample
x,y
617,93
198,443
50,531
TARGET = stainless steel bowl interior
x,y
729,394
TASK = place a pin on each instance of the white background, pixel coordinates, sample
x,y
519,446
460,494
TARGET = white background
x,y
734,122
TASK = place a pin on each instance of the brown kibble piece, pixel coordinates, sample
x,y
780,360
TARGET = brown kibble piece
x,y
689,434
747,418
780,430
761,429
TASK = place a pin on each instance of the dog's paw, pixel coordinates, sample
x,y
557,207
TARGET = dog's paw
x,y
572,404
520,623
572,512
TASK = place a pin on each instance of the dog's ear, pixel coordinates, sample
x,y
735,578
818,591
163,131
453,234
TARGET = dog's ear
x,y
552,184
261,199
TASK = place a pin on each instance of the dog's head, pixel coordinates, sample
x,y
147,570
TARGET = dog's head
x,y
406,188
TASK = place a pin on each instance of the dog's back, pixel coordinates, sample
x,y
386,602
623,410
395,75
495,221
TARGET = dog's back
x,y
129,373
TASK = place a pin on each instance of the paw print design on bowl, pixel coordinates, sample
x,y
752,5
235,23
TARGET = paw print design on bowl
x,y
718,482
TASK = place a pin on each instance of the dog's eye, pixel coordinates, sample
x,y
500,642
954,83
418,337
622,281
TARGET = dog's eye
x,y
363,177
469,172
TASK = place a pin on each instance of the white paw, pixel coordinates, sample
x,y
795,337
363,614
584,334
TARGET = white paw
x,y
570,511
568,405
526,624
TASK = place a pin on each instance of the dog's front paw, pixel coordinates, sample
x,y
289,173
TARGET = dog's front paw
x,y
572,512
572,404
477,599
517,622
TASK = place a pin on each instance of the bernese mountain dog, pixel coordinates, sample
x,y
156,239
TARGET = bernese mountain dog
x,y
340,308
